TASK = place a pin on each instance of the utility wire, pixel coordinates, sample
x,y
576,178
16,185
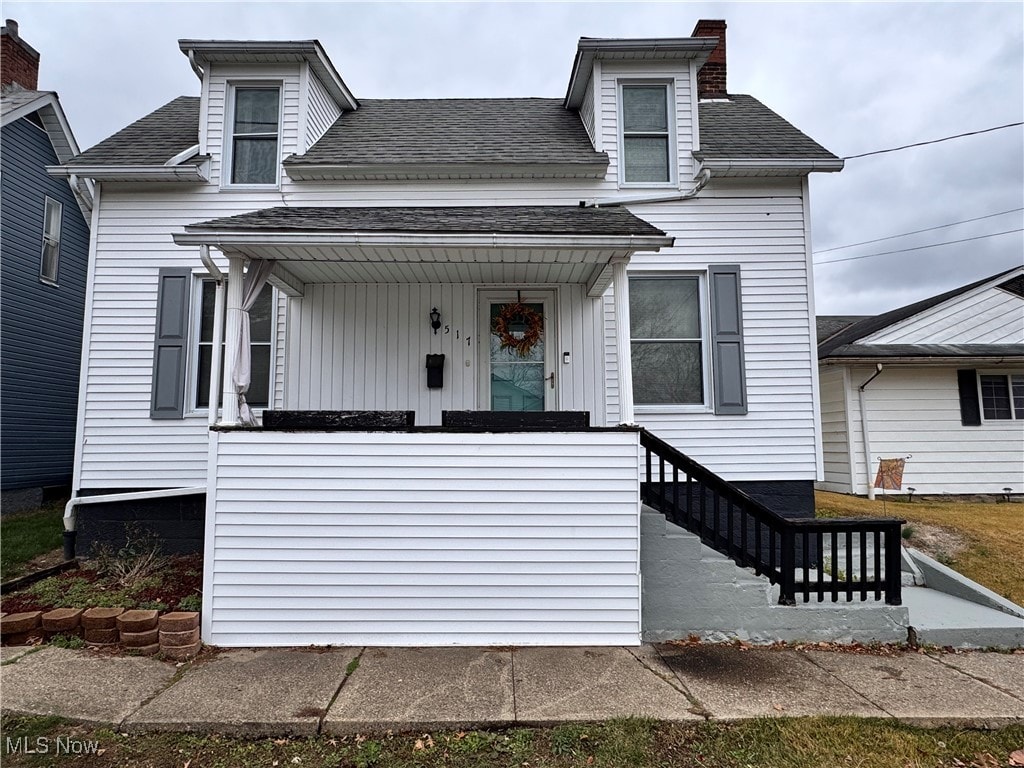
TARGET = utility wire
x,y
918,231
933,141
920,247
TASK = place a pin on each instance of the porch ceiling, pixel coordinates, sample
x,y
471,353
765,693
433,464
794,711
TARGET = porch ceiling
x,y
497,244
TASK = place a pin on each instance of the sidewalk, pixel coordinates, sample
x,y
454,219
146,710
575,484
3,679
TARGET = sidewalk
x,y
279,692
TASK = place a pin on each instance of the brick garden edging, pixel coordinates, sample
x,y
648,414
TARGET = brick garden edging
x,y
145,632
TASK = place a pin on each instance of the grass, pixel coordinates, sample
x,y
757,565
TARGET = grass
x,y
26,535
994,534
630,743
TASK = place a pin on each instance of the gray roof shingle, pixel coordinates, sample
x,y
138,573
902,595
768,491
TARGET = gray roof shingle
x,y
830,325
928,350
448,131
153,140
744,128
14,97
512,219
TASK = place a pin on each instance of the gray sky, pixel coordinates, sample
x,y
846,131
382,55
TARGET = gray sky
x,y
855,77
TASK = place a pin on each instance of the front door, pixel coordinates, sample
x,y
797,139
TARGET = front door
x,y
518,374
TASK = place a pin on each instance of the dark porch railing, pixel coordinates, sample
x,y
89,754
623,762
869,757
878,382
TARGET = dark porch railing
x,y
849,557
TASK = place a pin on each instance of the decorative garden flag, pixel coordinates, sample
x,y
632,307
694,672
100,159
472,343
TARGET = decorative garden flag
x,y
890,474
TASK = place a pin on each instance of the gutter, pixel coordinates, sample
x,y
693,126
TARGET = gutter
x,y
77,501
193,173
864,429
802,165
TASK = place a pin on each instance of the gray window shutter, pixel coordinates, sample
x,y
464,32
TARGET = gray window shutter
x,y
728,368
970,408
169,355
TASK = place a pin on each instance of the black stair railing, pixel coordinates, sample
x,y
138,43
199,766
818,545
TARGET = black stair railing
x,y
848,558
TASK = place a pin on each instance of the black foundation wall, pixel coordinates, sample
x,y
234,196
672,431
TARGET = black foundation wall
x,y
177,521
792,498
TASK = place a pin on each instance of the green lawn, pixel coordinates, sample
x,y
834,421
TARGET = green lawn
x,y
24,535
813,742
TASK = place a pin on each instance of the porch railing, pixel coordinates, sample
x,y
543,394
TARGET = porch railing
x,y
849,558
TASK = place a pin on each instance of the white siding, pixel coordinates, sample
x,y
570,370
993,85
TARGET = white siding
x,y
587,109
612,72
363,347
917,411
423,539
761,228
984,316
321,112
835,429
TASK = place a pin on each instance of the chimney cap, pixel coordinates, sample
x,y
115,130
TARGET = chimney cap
x,y
11,28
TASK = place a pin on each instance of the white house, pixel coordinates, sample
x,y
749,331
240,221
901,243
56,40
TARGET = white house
x,y
940,381
636,253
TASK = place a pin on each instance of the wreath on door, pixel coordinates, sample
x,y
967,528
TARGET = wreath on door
x,y
518,328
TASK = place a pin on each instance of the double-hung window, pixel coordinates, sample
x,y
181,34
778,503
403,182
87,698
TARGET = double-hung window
x,y
52,212
646,134
255,134
1002,396
666,337
260,332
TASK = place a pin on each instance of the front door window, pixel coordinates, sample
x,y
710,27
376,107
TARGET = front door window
x,y
517,356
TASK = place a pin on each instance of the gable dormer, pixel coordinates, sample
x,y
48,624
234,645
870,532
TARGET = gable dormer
x,y
638,100
261,102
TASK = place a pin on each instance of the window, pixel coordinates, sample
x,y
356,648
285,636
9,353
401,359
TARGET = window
x,y
646,136
666,340
1002,396
254,135
51,241
260,333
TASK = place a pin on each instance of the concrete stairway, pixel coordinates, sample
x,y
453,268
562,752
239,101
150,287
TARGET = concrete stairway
x,y
690,589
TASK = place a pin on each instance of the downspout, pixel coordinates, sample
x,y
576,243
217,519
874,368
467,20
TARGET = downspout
x,y
69,509
864,430
195,67
604,202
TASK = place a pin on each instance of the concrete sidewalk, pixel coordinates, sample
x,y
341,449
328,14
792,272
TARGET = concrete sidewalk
x,y
279,692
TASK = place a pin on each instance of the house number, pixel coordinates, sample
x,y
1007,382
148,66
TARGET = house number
x,y
447,330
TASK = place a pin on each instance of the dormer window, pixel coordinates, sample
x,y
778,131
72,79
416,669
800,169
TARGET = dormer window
x,y
646,133
255,135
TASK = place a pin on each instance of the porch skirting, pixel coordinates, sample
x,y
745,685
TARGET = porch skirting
x,y
422,538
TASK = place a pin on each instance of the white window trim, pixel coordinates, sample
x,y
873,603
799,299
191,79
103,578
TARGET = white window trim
x,y
1014,417
47,238
673,156
708,405
227,150
192,409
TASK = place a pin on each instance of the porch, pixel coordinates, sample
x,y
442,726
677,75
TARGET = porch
x,y
423,536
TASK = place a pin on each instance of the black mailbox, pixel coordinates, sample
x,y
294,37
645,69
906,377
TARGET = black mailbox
x,y
435,371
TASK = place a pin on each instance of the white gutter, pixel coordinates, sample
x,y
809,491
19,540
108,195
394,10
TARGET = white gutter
x,y
803,165
302,170
864,430
186,154
605,202
130,172
69,509
235,239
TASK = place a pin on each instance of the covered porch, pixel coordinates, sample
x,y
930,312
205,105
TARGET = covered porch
x,y
427,530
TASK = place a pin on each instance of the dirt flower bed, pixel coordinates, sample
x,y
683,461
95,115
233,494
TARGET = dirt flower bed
x,y
175,586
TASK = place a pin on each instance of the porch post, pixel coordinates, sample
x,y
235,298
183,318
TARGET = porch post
x,y
229,398
620,285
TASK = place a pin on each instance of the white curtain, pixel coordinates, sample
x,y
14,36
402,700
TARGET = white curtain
x,y
241,375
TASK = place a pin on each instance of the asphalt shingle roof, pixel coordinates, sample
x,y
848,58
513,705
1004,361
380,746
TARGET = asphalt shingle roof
x,y
15,97
928,350
513,219
830,325
743,127
153,140
445,131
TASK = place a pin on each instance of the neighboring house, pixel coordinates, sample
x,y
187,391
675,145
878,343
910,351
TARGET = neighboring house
x,y
941,381
45,244
376,236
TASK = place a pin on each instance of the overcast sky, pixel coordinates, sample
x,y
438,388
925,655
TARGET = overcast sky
x,y
855,77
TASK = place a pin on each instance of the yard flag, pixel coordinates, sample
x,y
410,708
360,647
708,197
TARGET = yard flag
x,y
890,474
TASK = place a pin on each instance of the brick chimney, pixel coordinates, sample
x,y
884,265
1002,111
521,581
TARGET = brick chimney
x,y
711,77
19,61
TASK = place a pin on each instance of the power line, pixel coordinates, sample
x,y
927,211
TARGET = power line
x,y
933,141
918,231
920,247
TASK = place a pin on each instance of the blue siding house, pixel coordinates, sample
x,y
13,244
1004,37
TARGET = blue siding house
x,y
44,242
